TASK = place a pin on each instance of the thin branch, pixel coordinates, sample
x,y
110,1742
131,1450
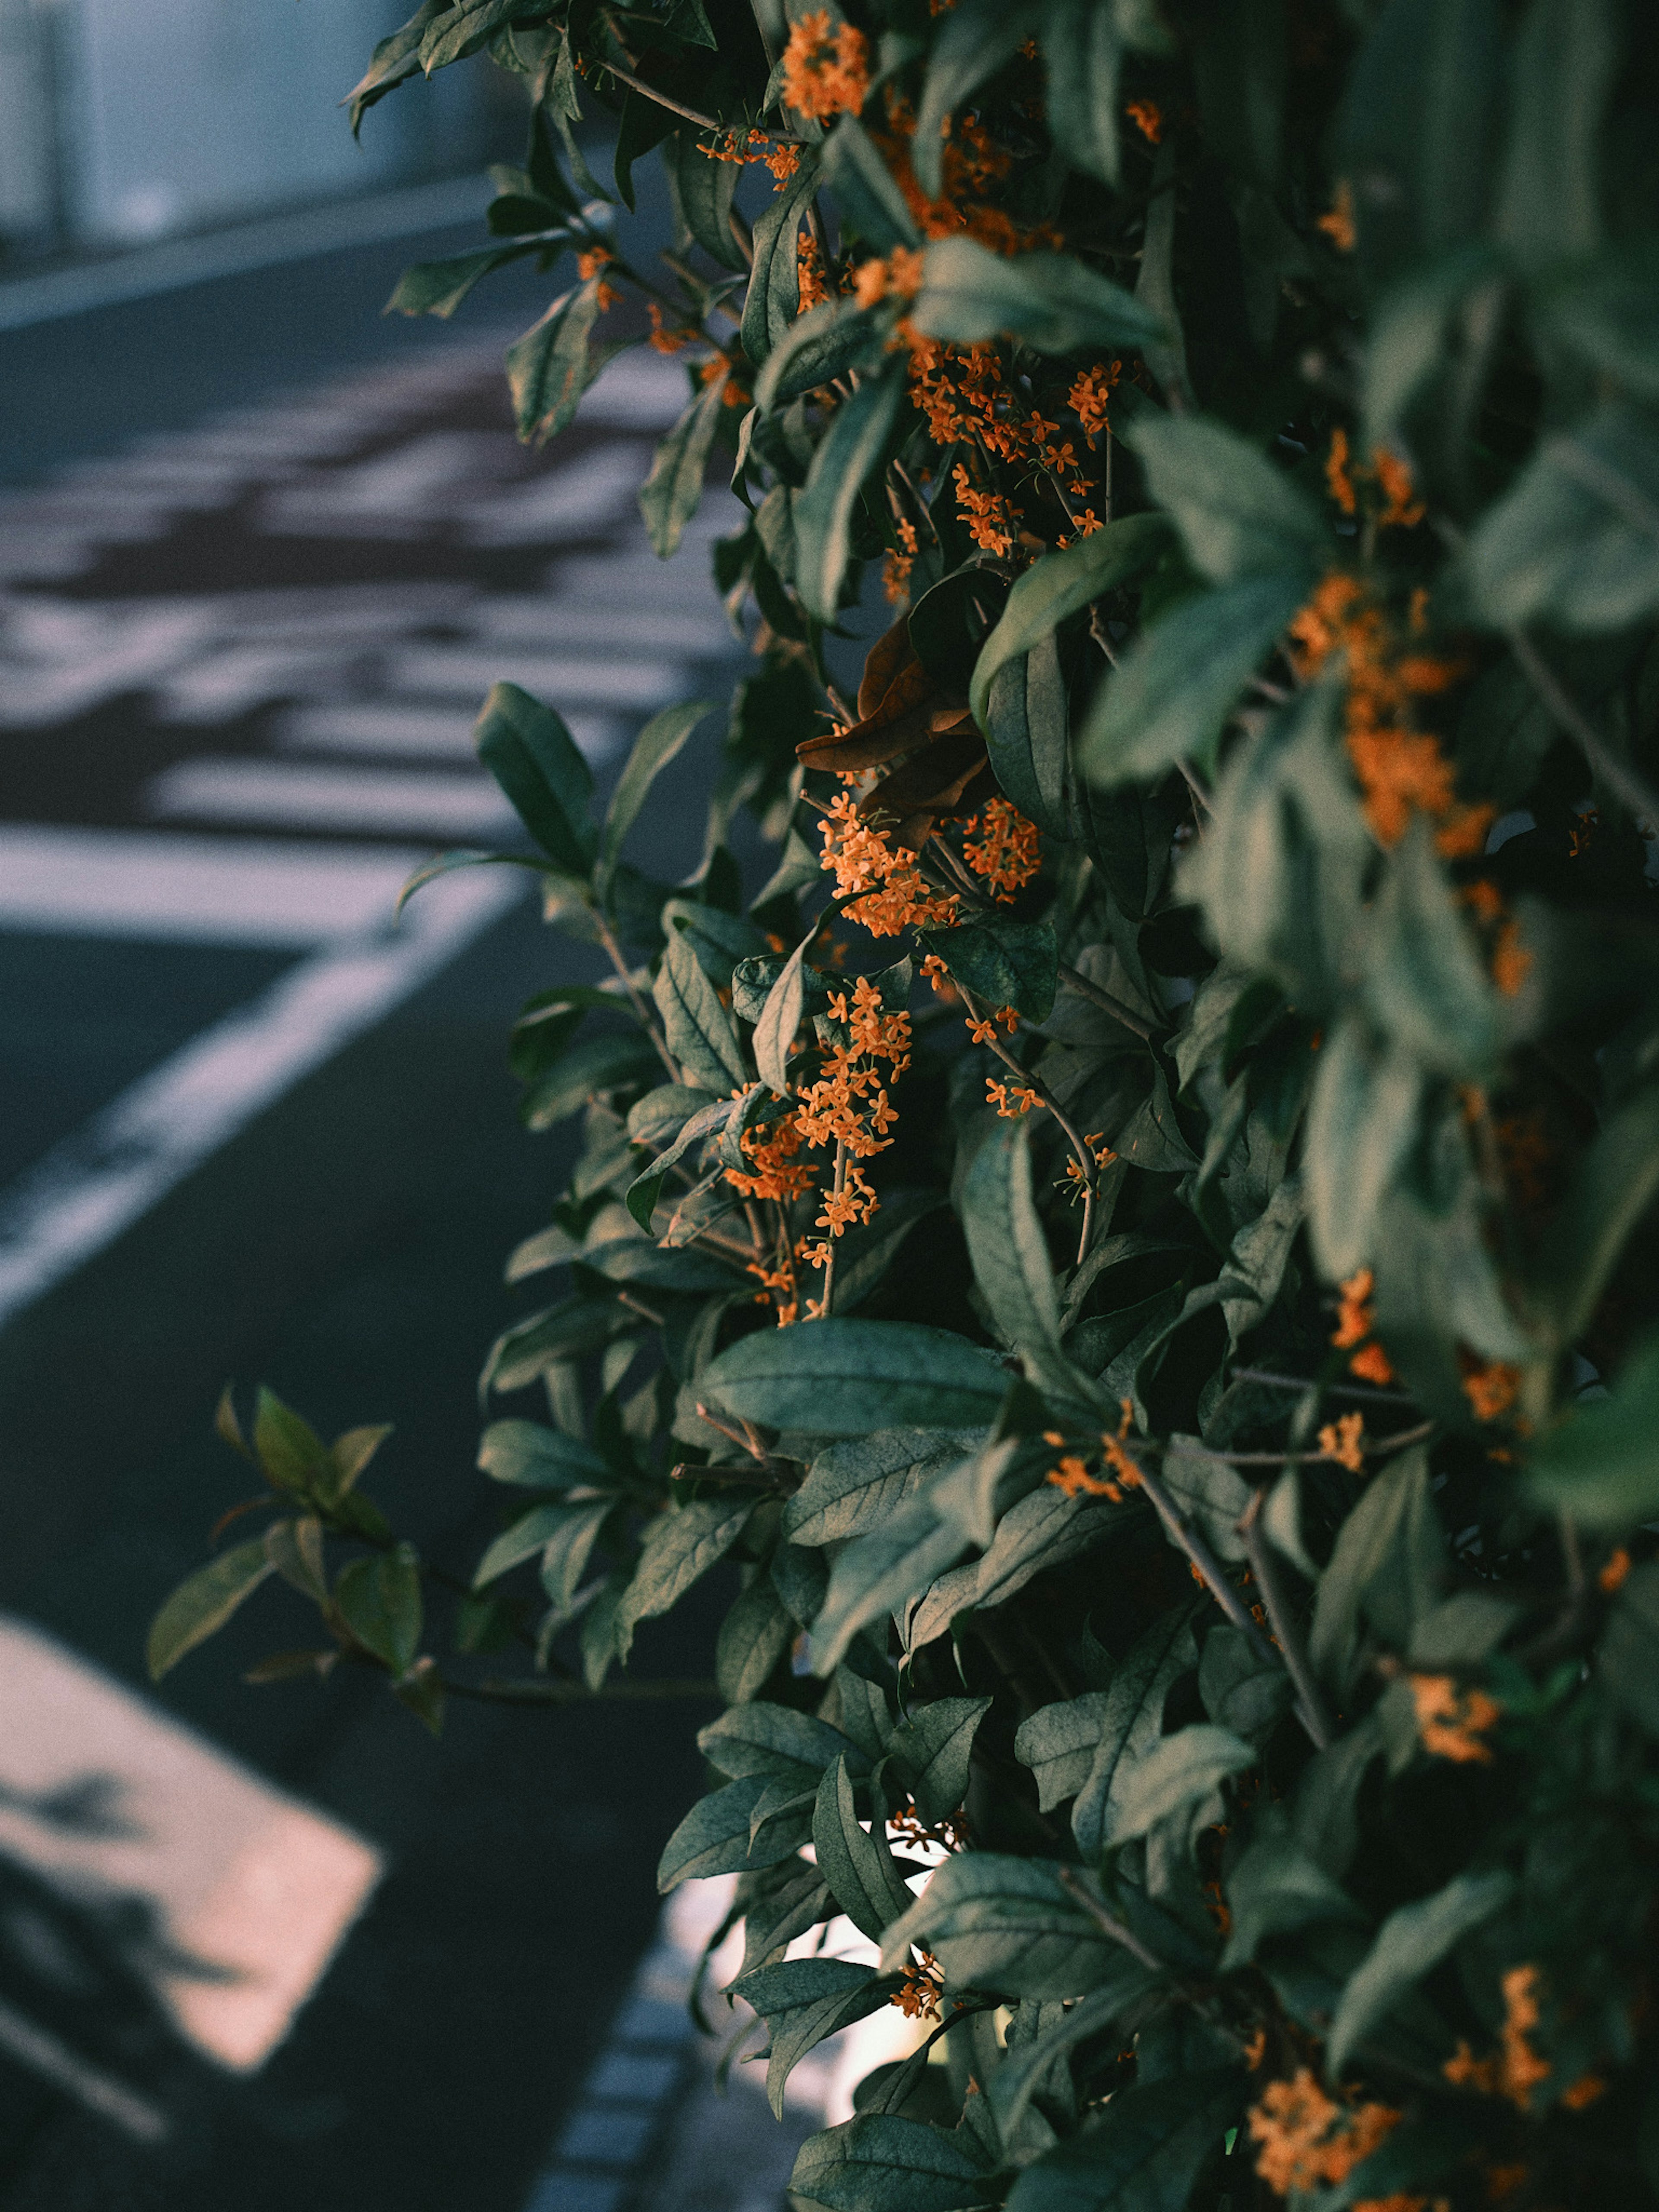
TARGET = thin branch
x,y
1337,1389
1380,1448
1315,1715
1209,1567
1108,1923
647,1014
639,1306
829,1264
1116,1008
1088,1173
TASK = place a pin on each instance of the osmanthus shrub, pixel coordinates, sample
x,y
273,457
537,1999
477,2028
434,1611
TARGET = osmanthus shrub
x,y
1132,1254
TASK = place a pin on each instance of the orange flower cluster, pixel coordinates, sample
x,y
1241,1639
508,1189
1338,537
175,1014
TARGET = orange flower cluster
x,y
992,517
939,978
1088,396
919,1998
1073,1476
1148,119
985,1032
1453,1722
1400,504
1008,849
1491,1385
1307,2138
1010,1105
811,283
776,1171
1102,1154
1343,1440
965,395
1401,769
781,156
666,338
900,897
1338,225
898,277
1612,1576
826,69
589,265
897,566
1514,2069
1354,1323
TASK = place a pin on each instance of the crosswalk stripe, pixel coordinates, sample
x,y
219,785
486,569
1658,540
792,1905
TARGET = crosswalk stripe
x,y
162,886
466,673
290,795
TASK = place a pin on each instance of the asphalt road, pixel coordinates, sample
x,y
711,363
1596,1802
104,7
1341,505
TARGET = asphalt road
x,y
209,479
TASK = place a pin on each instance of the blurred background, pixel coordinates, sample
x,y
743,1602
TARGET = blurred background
x,y
262,550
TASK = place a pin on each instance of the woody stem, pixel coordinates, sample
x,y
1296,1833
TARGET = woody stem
x,y
1312,1711
1080,1153
829,1264
652,1027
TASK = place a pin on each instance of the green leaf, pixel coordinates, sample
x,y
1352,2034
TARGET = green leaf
x,y
549,367
1179,681
779,1018
869,199
823,511
642,1194
528,1536
856,1485
395,58
1574,543
880,1574
1238,515
1155,286
773,297
568,1549
932,1750
835,337
203,1602
1565,63
380,1602
536,1457
1613,1182
1410,1942
1242,1690
1145,2153
1600,1467
1191,1763
1627,1657
880,2162
703,191
754,1636
1212,1494
527,749
846,1378
671,494
802,2000
775,1741
569,1330
974,42
1004,961
1052,301
1057,1742
714,1838
1010,1253
437,288
1029,2065
657,745
679,1545
292,1456
1132,1722
699,1029
1083,50
856,1862
1278,1889
619,1061
1363,1118
1059,584
1388,1563
1007,1924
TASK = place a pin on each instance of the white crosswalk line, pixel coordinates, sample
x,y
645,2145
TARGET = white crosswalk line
x,y
416,733
555,623
160,887
466,673
282,794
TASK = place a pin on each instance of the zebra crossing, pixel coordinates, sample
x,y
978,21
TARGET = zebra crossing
x,y
239,670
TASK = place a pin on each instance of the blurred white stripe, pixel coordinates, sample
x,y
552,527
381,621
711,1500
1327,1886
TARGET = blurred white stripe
x,y
279,794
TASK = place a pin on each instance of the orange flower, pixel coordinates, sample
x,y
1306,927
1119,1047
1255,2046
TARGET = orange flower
x,y
1491,1387
1341,1440
783,160
1148,117
1354,1323
1452,1722
1088,395
826,71
1524,2069
588,265
861,859
1338,225
1010,1110
1008,851
1403,508
1611,1577
1336,472
1511,962
919,1998
1307,2138
812,288
897,566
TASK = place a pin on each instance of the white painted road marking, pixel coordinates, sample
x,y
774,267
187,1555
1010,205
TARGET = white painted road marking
x,y
290,795
391,728
159,887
